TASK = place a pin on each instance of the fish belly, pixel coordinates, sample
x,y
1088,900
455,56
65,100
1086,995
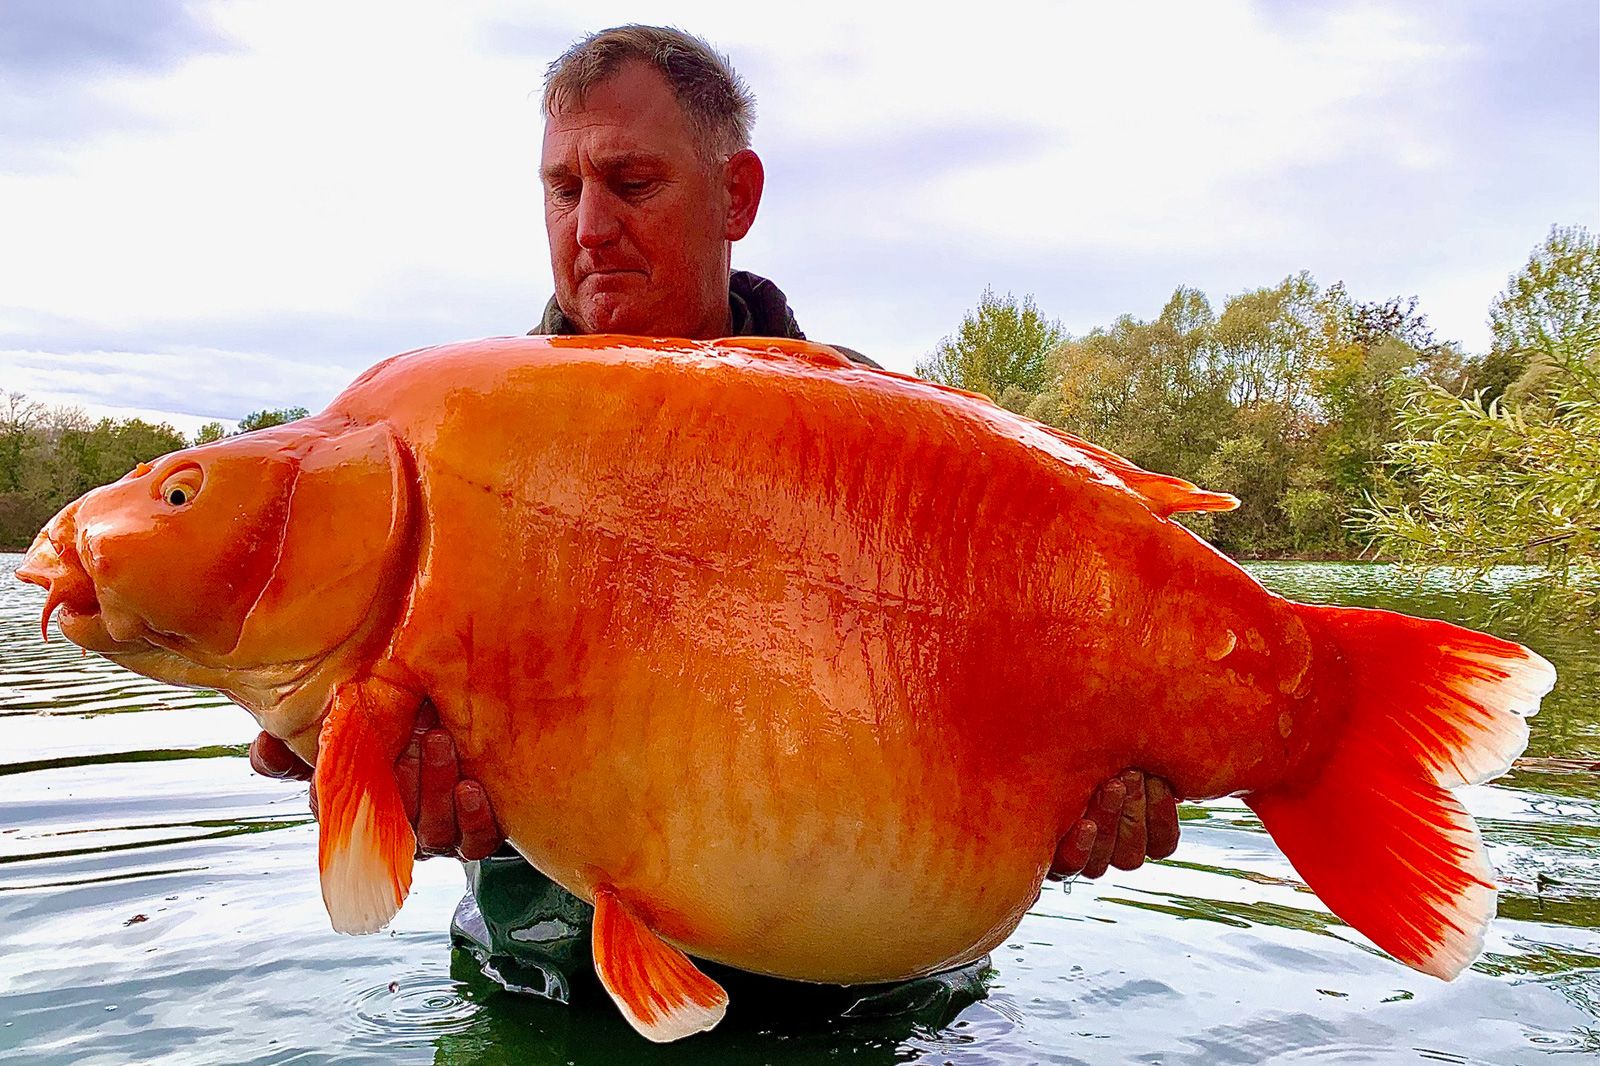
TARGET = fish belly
x,y
843,855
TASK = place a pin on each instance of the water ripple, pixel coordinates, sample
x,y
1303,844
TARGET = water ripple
x,y
420,1004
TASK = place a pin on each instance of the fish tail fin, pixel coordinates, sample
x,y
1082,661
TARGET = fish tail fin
x,y
1375,831
365,846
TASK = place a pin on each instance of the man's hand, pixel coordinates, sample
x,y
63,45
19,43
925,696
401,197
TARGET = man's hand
x,y
271,757
450,816
1130,817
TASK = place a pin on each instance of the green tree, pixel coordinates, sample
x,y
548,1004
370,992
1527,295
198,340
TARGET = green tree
x,y
22,450
104,452
1554,299
1268,339
1480,483
20,420
276,417
1001,345
1493,373
1224,401
1155,391
1370,353
1095,383
208,433
1254,464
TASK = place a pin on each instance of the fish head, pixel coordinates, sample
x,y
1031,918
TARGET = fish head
x,y
241,565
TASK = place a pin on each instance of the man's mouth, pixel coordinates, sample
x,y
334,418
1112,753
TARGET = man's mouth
x,y
611,278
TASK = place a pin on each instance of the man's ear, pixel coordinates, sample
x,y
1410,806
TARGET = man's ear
x,y
745,178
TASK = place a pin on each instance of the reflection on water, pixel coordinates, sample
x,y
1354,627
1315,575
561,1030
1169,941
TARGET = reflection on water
x,y
159,903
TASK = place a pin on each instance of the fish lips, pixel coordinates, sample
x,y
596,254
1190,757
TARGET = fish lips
x,y
56,568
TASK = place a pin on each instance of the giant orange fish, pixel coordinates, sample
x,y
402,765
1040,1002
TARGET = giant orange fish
x,y
703,616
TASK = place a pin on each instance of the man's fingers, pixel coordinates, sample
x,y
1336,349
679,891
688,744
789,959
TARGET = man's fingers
x,y
1072,851
1128,852
271,757
480,835
408,775
436,808
1161,819
1106,811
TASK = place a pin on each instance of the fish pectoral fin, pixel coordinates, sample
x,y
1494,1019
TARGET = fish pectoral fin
x,y
366,846
659,990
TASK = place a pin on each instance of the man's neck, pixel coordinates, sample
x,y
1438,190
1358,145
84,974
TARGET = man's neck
x,y
716,327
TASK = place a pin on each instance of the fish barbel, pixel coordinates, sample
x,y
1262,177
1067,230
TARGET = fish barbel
x,y
792,664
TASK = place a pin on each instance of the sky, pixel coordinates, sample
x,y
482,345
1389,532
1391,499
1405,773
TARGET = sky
x,y
212,208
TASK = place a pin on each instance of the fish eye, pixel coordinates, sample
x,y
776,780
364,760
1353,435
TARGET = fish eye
x,y
181,486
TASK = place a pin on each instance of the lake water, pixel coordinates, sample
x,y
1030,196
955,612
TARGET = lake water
x,y
159,903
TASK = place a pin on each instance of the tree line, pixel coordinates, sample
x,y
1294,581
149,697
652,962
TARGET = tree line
x,y
1345,426
49,456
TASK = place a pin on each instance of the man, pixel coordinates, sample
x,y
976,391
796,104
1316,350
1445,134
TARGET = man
x,y
648,180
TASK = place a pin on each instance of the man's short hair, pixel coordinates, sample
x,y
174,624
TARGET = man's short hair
x,y
719,104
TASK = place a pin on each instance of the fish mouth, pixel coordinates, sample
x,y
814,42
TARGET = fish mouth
x,y
53,564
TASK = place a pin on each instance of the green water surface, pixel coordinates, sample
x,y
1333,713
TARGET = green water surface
x,y
159,903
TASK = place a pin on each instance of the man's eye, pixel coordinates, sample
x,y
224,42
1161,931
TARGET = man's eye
x,y
563,194
637,187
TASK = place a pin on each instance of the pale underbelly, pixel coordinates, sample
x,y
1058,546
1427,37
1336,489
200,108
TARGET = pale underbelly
x,y
850,872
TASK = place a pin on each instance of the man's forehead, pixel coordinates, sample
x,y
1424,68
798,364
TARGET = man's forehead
x,y
601,158
635,96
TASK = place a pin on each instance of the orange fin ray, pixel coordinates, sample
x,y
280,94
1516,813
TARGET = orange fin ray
x,y
1376,833
658,989
1164,494
366,847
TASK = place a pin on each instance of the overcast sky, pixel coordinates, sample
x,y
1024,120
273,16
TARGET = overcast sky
x,y
209,208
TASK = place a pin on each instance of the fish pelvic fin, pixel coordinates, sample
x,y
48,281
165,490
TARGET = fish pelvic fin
x,y
366,846
658,989
1376,833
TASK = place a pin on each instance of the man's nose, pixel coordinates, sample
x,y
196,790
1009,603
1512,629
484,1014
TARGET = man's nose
x,y
598,222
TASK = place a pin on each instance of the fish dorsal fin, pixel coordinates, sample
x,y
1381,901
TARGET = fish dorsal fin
x,y
1162,493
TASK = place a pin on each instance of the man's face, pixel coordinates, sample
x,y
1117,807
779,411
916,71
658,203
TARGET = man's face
x,y
639,224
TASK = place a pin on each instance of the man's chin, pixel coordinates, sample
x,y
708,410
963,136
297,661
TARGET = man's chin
x,y
604,316
618,303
